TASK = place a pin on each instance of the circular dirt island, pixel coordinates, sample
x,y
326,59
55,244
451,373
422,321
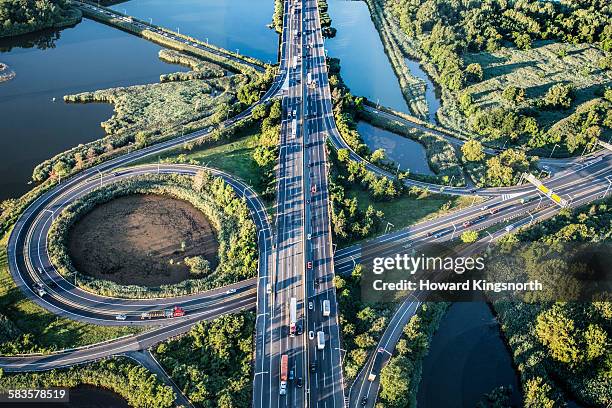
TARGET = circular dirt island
x,y
141,239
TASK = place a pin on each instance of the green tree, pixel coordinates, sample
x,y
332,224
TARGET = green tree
x,y
469,236
377,156
558,96
472,151
474,72
198,265
343,155
395,382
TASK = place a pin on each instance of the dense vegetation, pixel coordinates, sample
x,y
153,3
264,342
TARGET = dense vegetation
x,y
349,222
24,16
511,71
277,17
136,384
265,154
361,323
212,364
562,350
400,378
229,215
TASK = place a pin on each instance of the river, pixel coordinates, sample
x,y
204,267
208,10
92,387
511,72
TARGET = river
x,y
466,360
232,24
366,69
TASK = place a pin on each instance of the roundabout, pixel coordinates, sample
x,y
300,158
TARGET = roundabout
x,y
32,268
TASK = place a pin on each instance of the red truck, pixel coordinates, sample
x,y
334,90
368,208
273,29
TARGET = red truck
x,y
176,311
284,366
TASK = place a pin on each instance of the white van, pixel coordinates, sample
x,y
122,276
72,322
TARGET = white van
x,y
320,340
326,308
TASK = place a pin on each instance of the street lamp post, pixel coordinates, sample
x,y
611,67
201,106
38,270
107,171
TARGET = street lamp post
x,y
553,150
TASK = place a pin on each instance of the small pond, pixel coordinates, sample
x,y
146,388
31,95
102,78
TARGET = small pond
x,y
410,155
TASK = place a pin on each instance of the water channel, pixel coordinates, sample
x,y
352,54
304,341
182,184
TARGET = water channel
x,y
467,359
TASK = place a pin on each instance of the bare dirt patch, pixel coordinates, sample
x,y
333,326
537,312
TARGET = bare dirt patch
x,y
141,240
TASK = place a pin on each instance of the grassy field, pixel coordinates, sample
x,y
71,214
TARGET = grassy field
x,y
162,104
535,70
408,210
233,157
31,328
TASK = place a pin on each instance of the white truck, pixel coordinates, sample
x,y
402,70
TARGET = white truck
x,y
292,316
320,340
326,308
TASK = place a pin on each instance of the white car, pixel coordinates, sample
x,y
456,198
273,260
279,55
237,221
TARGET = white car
x,y
230,291
310,306
311,335
41,292
484,207
309,237
509,228
120,317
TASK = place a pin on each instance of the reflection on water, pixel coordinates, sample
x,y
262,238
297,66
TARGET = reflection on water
x,y
366,70
410,155
51,64
433,101
231,24
466,360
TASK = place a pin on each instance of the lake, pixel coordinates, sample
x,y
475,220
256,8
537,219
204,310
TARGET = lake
x,y
50,65
231,24
466,360
403,151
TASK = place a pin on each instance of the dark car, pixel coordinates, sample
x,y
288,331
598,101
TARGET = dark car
x,y
299,382
313,367
364,400
300,330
